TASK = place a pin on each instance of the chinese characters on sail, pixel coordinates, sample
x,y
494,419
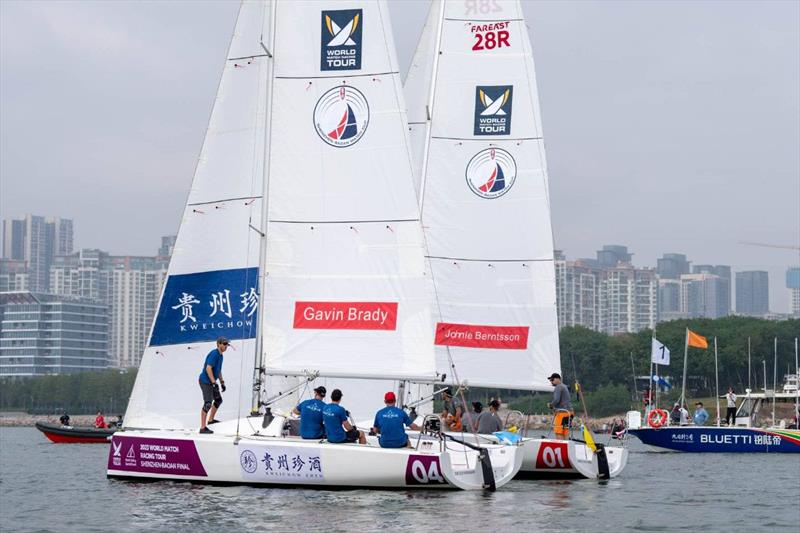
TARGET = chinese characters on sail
x,y
204,305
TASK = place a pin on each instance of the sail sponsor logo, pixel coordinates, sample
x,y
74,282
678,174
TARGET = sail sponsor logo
x,y
340,47
491,173
205,305
156,456
475,336
490,35
493,109
341,116
281,464
345,315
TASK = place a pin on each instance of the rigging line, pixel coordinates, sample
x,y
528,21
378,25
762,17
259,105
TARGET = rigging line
x,y
248,57
224,200
373,74
343,221
445,258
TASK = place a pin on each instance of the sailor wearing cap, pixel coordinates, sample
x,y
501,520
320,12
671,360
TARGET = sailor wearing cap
x,y
210,381
562,405
310,412
390,424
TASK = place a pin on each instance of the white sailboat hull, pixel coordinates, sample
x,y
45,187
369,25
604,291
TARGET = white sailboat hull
x,y
544,458
290,461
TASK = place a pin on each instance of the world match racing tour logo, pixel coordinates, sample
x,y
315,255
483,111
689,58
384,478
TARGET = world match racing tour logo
x,y
491,173
493,110
340,46
341,116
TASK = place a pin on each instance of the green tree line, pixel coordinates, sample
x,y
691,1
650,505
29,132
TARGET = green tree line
x,y
603,364
83,393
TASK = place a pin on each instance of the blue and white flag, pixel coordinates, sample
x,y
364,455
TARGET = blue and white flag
x,y
661,382
660,353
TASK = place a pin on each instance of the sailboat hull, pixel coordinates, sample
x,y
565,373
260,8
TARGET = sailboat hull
x,y
288,461
710,439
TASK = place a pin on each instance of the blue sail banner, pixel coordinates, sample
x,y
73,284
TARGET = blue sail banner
x,y
205,305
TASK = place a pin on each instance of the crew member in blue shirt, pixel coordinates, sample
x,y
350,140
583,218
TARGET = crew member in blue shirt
x,y
700,414
310,412
337,426
390,424
210,381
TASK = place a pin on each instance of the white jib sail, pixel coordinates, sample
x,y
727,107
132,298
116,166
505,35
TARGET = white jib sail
x,y
347,289
484,197
211,288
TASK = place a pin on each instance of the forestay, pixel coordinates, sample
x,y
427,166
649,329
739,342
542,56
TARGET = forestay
x,y
211,288
484,197
347,290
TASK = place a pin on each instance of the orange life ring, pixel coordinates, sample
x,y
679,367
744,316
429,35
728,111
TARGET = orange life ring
x,y
657,418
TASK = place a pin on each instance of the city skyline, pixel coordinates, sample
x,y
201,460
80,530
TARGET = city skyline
x,y
649,153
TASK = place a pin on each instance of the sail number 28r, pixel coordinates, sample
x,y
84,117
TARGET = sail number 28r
x,y
490,35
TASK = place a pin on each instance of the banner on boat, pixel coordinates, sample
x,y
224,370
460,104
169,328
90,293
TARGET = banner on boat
x,y
341,39
280,464
345,315
493,109
155,456
474,336
205,305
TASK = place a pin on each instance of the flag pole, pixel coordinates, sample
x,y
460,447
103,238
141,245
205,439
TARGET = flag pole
x,y
716,375
749,384
797,387
685,355
774,380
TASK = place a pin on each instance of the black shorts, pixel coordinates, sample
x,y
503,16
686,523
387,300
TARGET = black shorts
x,y
351,435
210,393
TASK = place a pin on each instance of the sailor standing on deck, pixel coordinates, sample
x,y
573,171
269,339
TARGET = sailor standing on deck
x,y
562,407
210,380
453,410
730,413
489,421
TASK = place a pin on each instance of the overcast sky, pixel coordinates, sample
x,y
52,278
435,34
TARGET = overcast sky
x,y
669,126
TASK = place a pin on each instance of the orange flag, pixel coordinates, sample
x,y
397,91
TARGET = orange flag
x,y
695,340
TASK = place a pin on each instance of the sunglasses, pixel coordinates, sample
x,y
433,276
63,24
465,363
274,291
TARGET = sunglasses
x,y
225,343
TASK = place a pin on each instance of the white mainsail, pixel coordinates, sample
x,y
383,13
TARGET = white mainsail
x,y
347,291
212,284
484,196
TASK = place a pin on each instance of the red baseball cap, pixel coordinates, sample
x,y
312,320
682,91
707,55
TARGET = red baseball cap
x,y
389,397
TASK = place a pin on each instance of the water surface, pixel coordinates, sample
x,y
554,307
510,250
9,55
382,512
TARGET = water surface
x,y
63,487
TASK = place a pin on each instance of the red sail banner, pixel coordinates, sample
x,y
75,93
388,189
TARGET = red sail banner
x,y
345,315
474,336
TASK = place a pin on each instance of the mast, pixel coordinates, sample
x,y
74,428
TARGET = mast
x,y
716,378
749,382
258,368
685,356
774,379
797,386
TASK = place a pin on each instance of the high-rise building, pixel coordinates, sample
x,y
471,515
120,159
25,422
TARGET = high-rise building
x,y
577,294
46,334
613,254
752,292
672,266
628,299
13,275
129,285
37,240
793,284
167,245
704,295
669,299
